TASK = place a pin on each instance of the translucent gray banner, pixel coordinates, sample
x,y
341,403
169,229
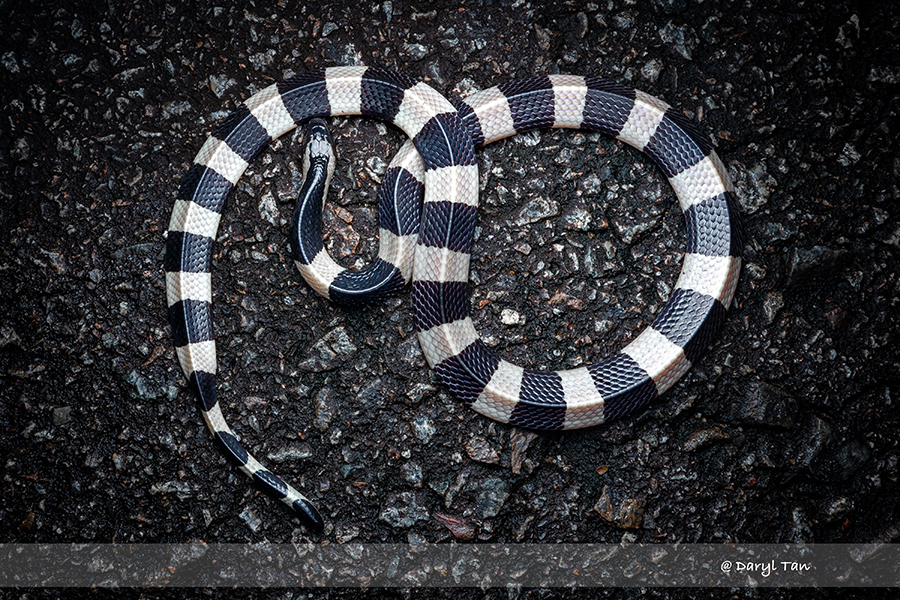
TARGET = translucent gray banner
x,y
448,565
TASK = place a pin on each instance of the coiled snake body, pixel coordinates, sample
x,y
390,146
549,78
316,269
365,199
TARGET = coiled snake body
x,y
433,250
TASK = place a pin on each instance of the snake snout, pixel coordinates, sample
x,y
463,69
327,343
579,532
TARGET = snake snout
x,y
317,130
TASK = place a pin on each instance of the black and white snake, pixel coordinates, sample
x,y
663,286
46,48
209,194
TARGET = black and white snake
x,y
434,249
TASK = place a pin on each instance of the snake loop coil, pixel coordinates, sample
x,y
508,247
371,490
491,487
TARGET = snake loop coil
x,y
427,210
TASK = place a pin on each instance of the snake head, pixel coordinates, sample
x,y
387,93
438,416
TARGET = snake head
x,y
318,148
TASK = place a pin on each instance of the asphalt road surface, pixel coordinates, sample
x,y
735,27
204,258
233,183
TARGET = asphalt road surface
x,y
786,431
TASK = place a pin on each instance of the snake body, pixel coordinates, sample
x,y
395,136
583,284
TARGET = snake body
x,y
434,250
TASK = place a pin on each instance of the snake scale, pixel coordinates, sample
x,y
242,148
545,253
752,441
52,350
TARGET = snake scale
x,y
427,212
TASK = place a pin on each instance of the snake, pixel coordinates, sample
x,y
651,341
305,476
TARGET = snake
x,y
426,232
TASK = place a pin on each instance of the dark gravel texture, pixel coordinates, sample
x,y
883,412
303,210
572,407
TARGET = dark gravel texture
x,y
787,431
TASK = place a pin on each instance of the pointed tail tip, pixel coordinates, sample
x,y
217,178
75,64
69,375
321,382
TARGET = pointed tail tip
x,y
309,515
